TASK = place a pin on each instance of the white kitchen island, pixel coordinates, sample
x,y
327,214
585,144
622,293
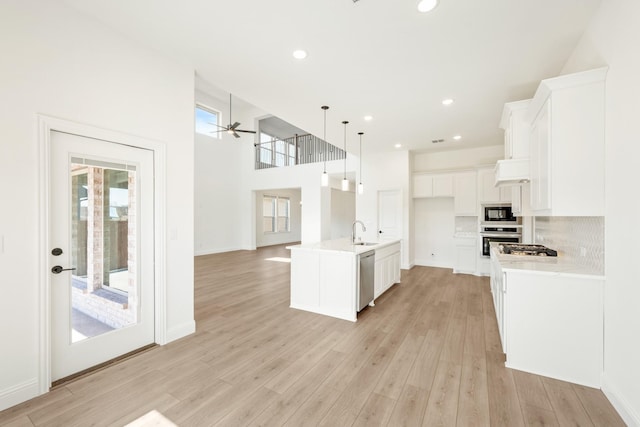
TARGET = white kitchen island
x,y
324,275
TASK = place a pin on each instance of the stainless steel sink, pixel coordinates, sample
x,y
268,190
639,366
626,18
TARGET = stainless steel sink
x,y
365,244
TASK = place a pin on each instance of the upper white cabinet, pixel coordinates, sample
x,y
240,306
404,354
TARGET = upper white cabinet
x,y
433,185
461,185
516,130
465,202
566,140
487,191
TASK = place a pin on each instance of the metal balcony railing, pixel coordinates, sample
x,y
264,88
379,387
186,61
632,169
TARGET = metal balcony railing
x,y
297,150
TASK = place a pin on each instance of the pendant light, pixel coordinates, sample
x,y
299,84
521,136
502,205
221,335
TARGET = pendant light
x,y
360,185
345,182
324,181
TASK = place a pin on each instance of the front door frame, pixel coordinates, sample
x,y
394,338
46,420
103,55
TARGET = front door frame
x,y
47,124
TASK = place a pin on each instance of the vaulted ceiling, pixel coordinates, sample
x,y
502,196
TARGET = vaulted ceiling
x,y
375,57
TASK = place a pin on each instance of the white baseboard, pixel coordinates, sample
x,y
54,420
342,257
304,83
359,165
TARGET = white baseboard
x,y
181,331
433,263
18,393
201,252
628,414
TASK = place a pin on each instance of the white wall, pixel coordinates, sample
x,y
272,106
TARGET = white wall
x,y
343,213
612,39
218,189
434,228
59,63
295,220
385,171
458,159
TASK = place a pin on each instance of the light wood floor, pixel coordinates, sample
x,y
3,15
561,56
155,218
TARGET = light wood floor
x,y
427,354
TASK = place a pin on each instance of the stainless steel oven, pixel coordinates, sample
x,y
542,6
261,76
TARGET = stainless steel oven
x,y
488,237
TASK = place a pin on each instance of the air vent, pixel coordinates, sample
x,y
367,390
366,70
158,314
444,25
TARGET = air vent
x,y
437,141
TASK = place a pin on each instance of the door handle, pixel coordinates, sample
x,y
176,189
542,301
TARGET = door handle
x,y
58,269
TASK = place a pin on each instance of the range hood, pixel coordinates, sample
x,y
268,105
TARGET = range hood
x,y
512,172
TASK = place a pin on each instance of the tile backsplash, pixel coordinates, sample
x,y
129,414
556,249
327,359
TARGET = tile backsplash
x,y
466,224
580,239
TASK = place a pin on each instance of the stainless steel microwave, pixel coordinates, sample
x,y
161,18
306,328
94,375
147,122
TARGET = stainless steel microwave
x,y
498,213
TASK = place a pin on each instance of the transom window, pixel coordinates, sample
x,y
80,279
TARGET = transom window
x,y
207,120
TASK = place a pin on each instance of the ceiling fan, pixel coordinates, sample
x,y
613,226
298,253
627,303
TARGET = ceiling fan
x,y
232,127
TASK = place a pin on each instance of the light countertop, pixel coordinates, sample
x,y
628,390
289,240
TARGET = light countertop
x,y
544,265
344,246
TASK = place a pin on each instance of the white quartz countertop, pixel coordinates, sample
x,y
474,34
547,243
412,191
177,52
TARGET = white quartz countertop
x,y
344,245
544,265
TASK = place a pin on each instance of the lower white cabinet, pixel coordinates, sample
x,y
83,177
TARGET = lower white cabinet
x,y
465,255
387,268
550,323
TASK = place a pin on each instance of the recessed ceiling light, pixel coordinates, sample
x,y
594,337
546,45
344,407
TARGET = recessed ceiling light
x,y
425,6
398,145
457,137
299,54
447,101
368,118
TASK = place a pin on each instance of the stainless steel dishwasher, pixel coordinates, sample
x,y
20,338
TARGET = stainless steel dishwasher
x,y
366,277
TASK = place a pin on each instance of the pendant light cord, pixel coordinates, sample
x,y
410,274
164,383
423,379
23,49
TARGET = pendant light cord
x,y
324,137
345,148
360,133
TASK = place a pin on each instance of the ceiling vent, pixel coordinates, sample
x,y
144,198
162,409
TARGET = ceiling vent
x,y
437,141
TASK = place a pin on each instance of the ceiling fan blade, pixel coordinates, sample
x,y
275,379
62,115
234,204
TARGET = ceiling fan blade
x,y
220,130
235,134
245,131
215,124
235,125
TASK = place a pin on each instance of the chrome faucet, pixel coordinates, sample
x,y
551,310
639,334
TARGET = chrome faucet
x,y
353,230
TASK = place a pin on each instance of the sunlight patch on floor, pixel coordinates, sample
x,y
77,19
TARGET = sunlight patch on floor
x,y
152,418
278,259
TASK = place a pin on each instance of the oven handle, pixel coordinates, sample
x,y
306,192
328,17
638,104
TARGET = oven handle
x,y
501,234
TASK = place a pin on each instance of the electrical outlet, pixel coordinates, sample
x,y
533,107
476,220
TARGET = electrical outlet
x,y
583,251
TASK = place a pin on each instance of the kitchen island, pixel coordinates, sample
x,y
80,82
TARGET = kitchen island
x,y
325,275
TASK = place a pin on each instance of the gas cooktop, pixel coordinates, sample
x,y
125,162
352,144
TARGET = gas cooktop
x,y
524,249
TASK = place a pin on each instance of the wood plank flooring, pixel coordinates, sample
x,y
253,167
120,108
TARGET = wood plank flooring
x,y
427,354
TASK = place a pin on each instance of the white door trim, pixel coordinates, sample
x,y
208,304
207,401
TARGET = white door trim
x,y
47,124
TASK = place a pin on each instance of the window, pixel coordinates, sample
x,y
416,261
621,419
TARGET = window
x,y
206,121
277,152
276,214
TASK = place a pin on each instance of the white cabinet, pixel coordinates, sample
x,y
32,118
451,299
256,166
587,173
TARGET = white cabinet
x,y
324,282
465,191
387,268
516,130
487,191
520,200
465,255
553,324
567,145
422,185
432,185
540,160
550,324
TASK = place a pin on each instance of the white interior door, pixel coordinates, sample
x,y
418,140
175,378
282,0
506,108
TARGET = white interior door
x,y
102,251
390,214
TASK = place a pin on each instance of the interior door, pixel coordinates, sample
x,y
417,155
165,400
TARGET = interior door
x,y
102,251
390,213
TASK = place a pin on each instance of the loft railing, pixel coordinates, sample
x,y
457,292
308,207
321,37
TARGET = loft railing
x,y
297,150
